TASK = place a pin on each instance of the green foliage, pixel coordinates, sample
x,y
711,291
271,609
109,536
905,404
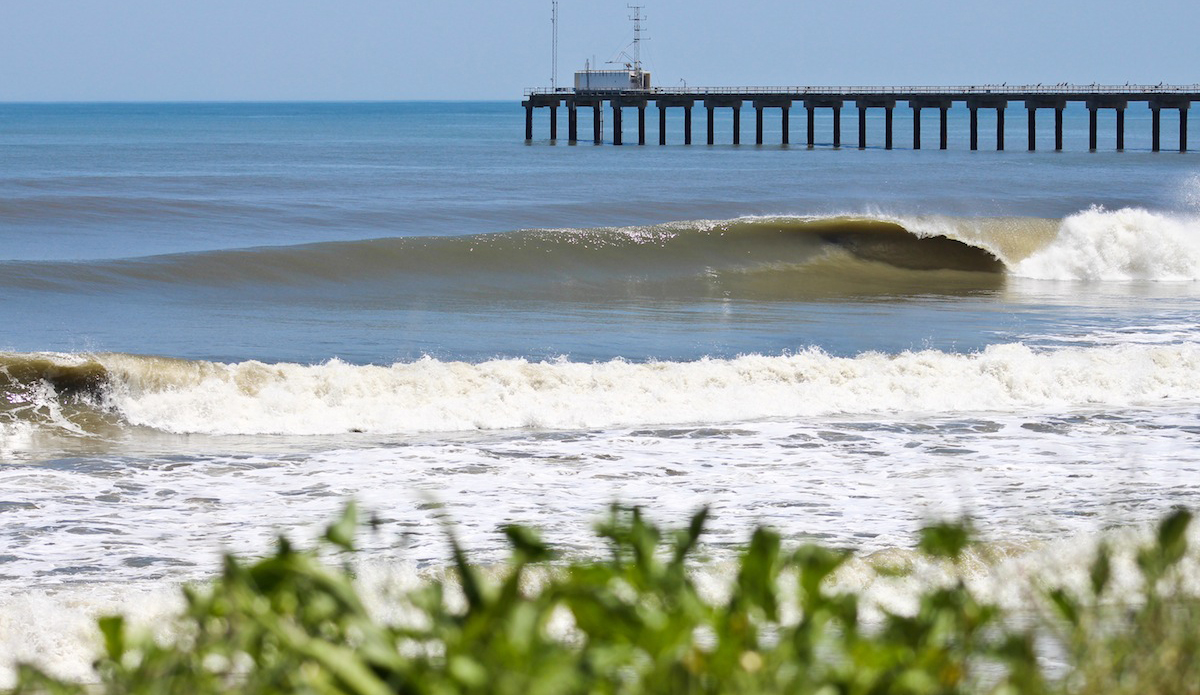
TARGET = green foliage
x,y
637,623
1151,646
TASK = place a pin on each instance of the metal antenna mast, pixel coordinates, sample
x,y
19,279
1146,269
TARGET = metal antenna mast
x,y
637,35
554,45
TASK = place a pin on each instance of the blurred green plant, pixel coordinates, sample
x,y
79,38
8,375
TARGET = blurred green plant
x,y
637,623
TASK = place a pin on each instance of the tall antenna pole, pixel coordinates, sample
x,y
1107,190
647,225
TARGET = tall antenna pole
x,y
637,36
554,45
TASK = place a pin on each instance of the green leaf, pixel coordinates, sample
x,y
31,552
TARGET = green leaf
x,y
686,540
472,584
527,543
341,532
815,563
1101,570
1172,536
947,539
1066,606
113,629
468,671
759,572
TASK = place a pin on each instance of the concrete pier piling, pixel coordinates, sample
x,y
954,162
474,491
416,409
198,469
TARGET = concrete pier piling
x,y
719,101
987,101
885,103
1049,101
1057,97
784,105
942,105
667,102
811,105
1182,103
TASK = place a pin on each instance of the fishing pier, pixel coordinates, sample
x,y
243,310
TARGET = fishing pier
x,y
633,92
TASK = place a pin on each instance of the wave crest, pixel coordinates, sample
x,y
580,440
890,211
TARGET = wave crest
x,y
673,258
249,398
822,255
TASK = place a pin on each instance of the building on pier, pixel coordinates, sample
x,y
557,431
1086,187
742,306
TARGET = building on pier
x,y
630,79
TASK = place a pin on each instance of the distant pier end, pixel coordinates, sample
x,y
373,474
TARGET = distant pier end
x,y
619,91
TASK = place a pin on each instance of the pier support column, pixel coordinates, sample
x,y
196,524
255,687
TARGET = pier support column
x,y
837,126
687,125
887,128
944,130
1155,131
641,124
553,122
737,125
783,124
616,123
1045,101
597,135
662,124
528,123
1092,128
1183,113
862,127
811,126
758,125
710,125
974,128
1120,130
572,123
1000,129
916,127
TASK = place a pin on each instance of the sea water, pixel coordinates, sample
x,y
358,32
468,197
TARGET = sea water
x,y
220,322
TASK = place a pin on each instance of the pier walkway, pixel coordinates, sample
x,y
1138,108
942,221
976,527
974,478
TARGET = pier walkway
x,y
998,97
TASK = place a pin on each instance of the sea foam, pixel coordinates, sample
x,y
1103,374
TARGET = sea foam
x,y
1118,245
430,395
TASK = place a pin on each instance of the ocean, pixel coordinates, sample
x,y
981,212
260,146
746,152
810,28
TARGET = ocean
x,y
220,322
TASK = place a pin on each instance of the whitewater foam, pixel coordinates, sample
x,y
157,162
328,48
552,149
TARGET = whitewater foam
x,y
15,437
430,395
1119,245
56,630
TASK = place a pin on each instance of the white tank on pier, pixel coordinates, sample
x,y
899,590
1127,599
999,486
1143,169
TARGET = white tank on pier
x,y
611,80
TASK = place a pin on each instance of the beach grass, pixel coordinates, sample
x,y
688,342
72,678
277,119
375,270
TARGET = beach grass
x,y
636,621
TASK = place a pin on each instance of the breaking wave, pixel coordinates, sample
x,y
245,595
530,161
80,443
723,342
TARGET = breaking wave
x,y
83,393
751,257
1118,245
666,254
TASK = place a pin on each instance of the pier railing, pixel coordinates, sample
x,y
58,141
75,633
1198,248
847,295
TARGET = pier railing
x,y
1006,89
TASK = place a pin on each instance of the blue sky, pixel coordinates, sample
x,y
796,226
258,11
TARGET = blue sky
x,y
69,50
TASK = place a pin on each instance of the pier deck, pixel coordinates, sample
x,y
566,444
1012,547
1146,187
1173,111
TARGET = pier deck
x,y
998,97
